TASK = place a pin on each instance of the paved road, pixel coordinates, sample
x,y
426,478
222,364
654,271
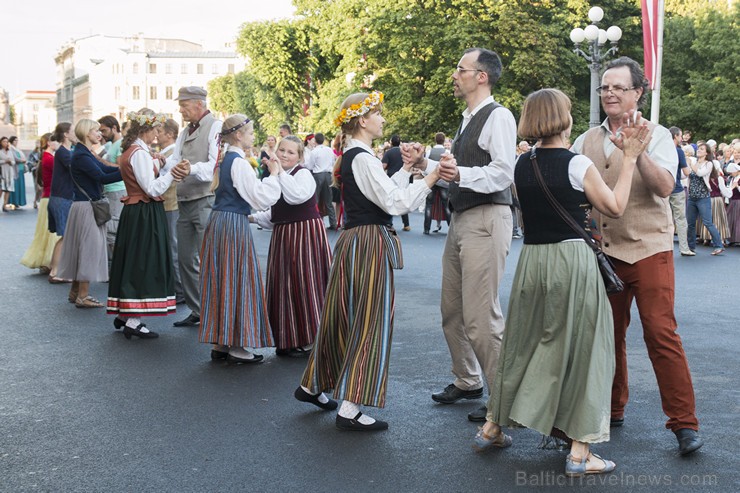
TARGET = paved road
x,y
83,409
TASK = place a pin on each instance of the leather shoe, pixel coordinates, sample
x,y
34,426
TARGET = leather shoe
x,y
304,396
616,422
348,424
479,415
452,393
688,441
236,359
189,321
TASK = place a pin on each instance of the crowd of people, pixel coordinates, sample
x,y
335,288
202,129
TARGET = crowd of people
x,y
165,216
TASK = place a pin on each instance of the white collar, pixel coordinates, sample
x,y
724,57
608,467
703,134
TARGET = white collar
x,y
358,143
237,150
141,144
469,114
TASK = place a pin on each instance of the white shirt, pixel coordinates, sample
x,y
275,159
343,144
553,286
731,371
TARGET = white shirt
x,y
296,189
202,171
321,160
395,195
144,165
258,194
498,138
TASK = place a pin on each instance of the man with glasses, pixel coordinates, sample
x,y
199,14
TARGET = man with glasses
x,y
640,244
480,175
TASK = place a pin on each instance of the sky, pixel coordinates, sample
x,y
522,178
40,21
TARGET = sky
x,y
35,31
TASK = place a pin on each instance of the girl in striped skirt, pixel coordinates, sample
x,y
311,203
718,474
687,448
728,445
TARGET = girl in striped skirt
x,y
233,308
352,348
300,256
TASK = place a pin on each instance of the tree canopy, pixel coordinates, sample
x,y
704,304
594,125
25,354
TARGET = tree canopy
x,y
301,69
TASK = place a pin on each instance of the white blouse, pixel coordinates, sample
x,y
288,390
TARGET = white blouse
x,y
144,165
295,189
258,194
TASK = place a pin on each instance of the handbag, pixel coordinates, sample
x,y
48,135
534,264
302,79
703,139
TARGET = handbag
x,y
100,207
392,246
612,282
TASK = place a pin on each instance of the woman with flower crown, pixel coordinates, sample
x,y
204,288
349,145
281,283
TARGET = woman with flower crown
x,y
142,281
352,348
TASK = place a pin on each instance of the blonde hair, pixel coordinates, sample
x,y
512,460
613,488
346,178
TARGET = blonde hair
x,y
228,136
348,129
84,127
296,141
545,113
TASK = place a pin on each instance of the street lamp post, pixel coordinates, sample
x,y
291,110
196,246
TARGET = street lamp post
x,y
596,39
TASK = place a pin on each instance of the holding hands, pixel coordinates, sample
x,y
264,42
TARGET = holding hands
x,y
181,170
634,135
273,165
413,157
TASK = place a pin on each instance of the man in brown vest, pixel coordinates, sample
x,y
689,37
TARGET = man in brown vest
x,y
479,236
198,146
640,244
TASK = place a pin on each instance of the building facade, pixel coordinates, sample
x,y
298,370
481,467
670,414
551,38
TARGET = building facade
x,y
107,75
35,114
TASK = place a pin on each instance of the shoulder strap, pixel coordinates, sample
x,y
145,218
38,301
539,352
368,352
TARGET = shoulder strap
x,y
556,205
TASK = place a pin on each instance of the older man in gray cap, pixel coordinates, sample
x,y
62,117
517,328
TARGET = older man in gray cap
x,y
196,145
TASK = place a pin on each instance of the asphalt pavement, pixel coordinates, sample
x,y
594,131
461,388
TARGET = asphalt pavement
x,y
83,409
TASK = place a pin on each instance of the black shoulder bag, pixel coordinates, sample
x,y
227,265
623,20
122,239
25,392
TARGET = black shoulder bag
x,y
612,282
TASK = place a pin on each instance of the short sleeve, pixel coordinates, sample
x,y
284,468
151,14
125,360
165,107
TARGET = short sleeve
x,y
577,168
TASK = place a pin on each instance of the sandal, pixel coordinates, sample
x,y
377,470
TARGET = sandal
x,y
718,251
72,297
56,280
88,302
484,442
578,467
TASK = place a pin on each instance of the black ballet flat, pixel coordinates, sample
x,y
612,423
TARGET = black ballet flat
x,y
118,323
247,361
219,355
304,396
128,332
352,424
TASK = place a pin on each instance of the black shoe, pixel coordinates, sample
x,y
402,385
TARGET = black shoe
x,y
189,321
479,415
348,424
451,394
247,361
688,441
217,355
128,332
304,396
616,422
296,352
179,300
426,231
118,323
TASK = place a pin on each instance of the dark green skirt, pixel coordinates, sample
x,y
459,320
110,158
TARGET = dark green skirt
x,y
142,281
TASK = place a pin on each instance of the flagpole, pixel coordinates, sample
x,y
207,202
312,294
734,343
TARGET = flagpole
x,y
658,66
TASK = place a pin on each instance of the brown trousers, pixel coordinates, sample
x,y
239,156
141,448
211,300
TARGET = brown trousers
x,y
651,282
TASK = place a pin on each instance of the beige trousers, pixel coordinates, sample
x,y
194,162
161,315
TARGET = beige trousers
x,y
473,264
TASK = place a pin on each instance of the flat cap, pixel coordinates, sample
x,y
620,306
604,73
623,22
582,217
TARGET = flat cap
x,y
191,92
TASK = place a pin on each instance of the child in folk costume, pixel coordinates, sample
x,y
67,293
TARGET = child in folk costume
x,y
233,308
141,279
300,255
352,348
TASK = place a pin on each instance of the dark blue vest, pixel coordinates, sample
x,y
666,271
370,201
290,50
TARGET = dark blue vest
x,y
227,197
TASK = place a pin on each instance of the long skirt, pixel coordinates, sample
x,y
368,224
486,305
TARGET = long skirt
x,y
719,219
83,257
557,358
7,178
439,204
297,273
352,349
142,281
18,197
232,299
733,218
42,247
58,214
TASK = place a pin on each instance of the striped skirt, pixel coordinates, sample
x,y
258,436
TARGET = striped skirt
x,y
733,218
352,348
232,299
42,247
142,279
719,219
297,274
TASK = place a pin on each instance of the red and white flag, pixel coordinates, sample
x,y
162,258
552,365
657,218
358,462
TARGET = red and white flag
x,y
651,34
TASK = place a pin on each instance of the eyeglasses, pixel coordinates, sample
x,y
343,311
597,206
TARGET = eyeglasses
x,y
616,90
460,70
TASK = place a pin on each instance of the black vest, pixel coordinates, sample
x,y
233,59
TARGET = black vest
x,y
283,212
544,225
469,154
359,210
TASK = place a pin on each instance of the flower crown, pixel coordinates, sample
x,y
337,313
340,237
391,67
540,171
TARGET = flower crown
x,y
147,120
359,109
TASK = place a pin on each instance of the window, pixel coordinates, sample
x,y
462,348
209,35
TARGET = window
x,y
168,92
136,94
231,68
136,68
199,69
153,92
152,68
168,68
117,93
183,69
214,68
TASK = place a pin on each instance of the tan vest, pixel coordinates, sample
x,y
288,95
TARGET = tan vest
x,y
170,196
195,150
646,228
